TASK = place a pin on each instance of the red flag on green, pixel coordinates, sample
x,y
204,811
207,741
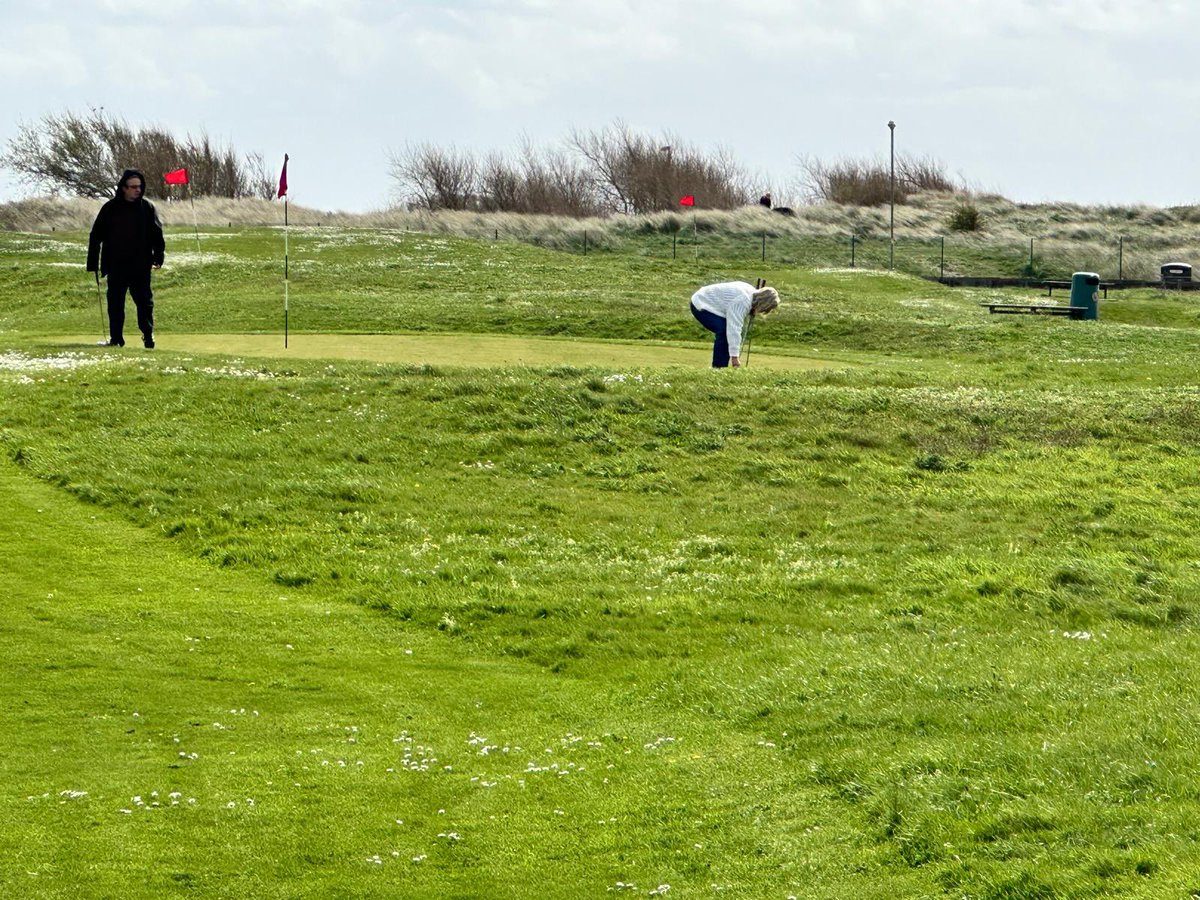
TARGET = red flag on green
x,y
689,200
179,176
283,179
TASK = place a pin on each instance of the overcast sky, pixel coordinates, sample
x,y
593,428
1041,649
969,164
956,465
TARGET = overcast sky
x,y
1091,101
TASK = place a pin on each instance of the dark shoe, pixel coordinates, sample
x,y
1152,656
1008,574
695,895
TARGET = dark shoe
x,y
149,342
111,343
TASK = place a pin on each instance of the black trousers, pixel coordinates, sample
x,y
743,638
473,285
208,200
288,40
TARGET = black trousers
x,y
135,281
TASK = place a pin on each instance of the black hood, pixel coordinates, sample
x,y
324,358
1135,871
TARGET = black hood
x,y
131,173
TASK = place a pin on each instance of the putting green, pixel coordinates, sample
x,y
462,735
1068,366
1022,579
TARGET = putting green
x,y
473,350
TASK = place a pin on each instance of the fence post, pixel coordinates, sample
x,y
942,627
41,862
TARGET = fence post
x,y
1120,259
764,254
585,242
852,241
672,245
942,266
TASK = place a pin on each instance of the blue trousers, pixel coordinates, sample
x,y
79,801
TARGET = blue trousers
x,y
715,324
137,282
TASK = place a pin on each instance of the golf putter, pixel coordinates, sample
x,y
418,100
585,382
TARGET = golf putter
x,y
100,303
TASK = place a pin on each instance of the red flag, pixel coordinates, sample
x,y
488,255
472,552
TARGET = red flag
x,y
283,179
689,200
179,176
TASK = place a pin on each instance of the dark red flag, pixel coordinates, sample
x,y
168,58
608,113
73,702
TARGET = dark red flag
x,y
283,179
689,200
179,176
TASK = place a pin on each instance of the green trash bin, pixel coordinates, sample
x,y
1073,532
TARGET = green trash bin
x,y
1085,294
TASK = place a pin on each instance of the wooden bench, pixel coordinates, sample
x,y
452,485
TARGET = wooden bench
x,y
1037,309
1066,285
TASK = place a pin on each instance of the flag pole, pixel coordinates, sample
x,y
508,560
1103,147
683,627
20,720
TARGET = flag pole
x,y
195,225
181,176
285,271
283,191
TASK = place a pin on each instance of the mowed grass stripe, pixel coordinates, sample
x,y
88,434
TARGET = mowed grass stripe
x,y
472,350
173,728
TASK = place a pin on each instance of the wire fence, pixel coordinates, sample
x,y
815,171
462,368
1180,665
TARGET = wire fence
x,y
951,256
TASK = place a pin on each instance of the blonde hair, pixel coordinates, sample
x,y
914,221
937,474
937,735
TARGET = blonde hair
x,y
763,301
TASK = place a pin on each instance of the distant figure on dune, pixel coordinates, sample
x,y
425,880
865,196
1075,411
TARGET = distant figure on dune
x,y
765,200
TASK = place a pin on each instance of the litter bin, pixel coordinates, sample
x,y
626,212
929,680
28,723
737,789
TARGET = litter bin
x,y
1085,293
1175,273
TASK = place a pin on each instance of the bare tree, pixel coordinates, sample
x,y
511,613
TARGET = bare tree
x,y
260,179
64,154
436,178
501,186
85,155
571,186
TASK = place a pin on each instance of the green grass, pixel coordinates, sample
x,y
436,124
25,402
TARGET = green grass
x,y
912,625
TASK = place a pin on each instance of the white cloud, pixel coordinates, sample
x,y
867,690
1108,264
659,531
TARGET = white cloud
x,y
38,53
987,85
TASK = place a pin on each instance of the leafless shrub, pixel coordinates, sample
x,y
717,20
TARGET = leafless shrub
x,y
83,156
635,173
615,170
869,182
924,173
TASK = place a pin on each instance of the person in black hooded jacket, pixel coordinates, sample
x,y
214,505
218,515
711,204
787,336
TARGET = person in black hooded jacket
x,y
125,243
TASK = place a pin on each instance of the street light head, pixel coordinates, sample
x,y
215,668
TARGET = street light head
x,y
892,125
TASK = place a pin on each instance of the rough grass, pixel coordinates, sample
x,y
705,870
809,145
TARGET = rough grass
x,y
907,627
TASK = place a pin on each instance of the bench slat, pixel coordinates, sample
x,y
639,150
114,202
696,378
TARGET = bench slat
x,y
1036,309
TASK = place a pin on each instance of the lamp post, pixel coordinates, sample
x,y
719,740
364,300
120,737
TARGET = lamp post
x,y
892,222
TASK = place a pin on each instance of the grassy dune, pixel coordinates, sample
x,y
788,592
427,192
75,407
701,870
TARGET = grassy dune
x,y
911,624
1127,241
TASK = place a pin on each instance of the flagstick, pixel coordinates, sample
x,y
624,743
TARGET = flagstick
x,y
285,272
695,236
195,226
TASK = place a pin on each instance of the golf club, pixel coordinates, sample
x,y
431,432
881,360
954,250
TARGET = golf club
x,y
100,302
758,286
